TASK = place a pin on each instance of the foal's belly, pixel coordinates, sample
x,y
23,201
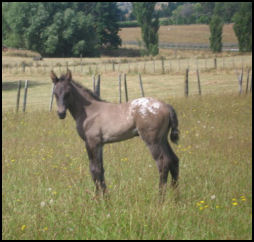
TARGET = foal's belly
x,y
119,136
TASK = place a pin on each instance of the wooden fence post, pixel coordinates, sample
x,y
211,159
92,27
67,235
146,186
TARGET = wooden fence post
x,y
186,90
113,66
240,81
251,83
51,98
144,70
94,83
199,85
162,65
120,88
18,96
25,95
125,88
24,67
247,82
215,63
141,85
81,59
98,86
170,65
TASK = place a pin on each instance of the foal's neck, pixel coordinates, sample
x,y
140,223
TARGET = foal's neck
x,y
81,101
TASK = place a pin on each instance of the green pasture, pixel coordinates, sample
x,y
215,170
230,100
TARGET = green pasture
x,y
48,193
47,190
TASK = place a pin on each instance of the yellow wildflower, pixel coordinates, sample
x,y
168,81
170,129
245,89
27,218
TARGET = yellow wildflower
x,y
23,227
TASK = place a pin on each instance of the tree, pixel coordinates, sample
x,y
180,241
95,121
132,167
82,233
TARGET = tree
x,y
15,15
216,26
226,10
149,23
62,28
243,26
106,17
206,12
184,14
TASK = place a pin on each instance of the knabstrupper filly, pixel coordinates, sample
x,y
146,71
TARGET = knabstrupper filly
x,y
99,122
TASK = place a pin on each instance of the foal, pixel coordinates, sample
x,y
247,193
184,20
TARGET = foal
x,y
99,122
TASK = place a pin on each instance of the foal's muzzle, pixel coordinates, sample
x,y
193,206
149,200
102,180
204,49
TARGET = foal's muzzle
x,y
61,114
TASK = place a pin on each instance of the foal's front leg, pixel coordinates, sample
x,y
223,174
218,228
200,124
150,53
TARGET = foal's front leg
x,y
96,166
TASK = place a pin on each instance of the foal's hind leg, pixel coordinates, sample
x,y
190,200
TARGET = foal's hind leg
x,y
173,163
158,154
166,161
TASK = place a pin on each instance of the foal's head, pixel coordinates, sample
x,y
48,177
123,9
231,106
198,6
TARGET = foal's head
x,y
62,92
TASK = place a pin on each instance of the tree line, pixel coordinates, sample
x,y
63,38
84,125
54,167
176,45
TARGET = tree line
x,y
87,28
189,12
61,28
242,20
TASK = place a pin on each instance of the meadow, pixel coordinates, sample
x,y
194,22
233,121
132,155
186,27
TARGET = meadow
x,y
47,189
48,193
195,33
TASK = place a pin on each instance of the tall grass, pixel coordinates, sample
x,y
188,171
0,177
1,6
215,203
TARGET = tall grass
x,y
48,193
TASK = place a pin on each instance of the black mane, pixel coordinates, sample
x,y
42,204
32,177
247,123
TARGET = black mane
x,y
86,90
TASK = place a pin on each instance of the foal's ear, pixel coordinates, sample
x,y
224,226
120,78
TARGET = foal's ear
x,y
68,75
54,77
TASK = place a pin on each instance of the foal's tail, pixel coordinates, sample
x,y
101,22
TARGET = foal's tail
x,y
173,124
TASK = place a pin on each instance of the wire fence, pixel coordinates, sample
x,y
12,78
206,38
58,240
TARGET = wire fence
x,y
162,78
146,66
189,46
31,95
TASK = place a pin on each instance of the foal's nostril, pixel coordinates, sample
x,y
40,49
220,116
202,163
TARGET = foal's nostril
x,y
61,115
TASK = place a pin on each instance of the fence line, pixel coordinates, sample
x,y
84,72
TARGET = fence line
x,y
189,46
185,81
162,65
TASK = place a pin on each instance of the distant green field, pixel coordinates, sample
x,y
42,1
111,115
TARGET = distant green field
x,y
48,193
